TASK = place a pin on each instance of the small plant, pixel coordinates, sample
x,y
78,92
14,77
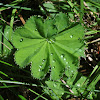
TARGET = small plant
x,y
49,45
42,58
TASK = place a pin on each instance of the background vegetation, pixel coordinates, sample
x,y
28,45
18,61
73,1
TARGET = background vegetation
x,y
18,84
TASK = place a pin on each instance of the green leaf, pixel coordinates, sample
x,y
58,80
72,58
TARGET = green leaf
x,y
5,46
40,44
12,4
62,21
76,81
1,98
21,97
56,88
98,1
50,8
91,82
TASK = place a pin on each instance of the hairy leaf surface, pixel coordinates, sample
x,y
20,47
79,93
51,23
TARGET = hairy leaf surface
x,y
48,46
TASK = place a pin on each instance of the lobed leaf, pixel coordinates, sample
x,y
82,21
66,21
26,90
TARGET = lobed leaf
x,y
48,46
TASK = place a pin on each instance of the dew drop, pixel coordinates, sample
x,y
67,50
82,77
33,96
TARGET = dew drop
x,y
49,41
80,50
43,60
35,29
39,16
53,61
39,70
82,92
53,67
62,55
49,10
72,71
51,54
64,58
66,62
52,41
68,66
5,56
71,36
40,66
78,85
21,39
62,93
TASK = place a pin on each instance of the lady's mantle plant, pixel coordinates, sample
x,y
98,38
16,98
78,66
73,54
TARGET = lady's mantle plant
x,y
49,45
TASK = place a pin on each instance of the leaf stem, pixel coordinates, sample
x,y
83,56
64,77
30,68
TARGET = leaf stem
x,y
21,18
67,86
93,41
5,45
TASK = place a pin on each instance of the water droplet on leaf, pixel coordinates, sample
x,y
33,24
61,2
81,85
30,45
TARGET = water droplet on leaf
x,y
53,67
21,39
51,54
72,71
39,16
49,10
71,36
62,93
80,50
64,58
68,66
49,42
52,40
53,61
40,66
78,85
39,70
62,55
43,60
81,77
66,62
